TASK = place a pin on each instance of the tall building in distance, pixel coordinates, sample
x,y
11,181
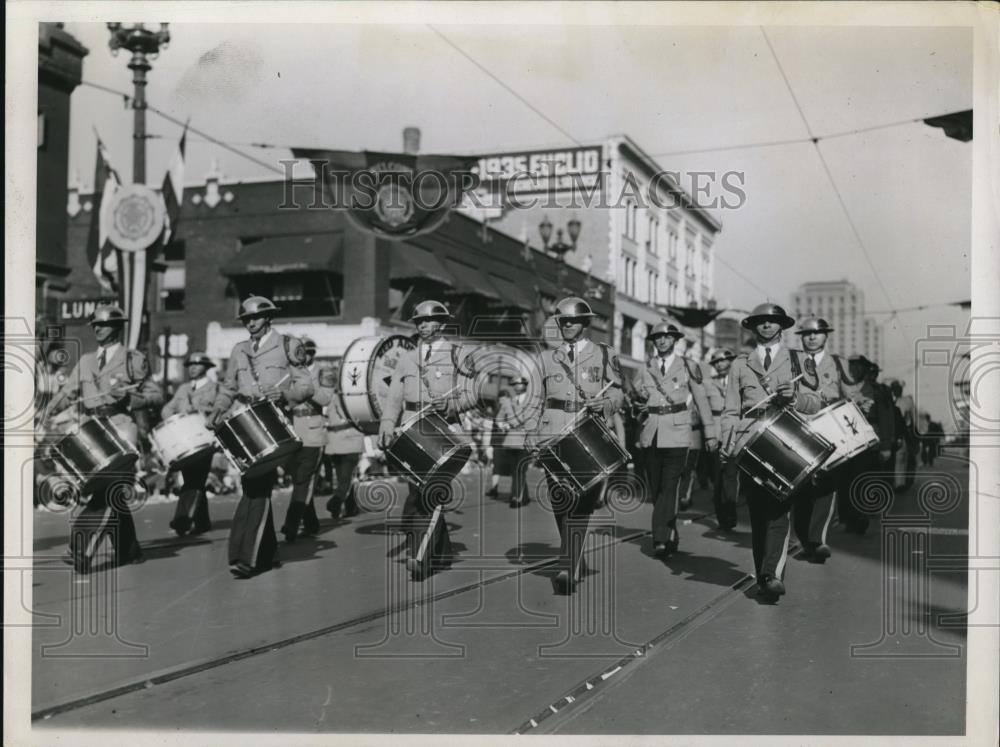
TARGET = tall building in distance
x,y
842,304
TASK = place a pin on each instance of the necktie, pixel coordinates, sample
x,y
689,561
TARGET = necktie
x,y
572,355
256,344
427,355
767,358
663,366
101,359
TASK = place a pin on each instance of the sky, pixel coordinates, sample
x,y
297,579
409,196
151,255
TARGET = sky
x,y
672,89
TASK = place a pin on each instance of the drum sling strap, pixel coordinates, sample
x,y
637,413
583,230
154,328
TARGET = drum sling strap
x,y
560,359
796,370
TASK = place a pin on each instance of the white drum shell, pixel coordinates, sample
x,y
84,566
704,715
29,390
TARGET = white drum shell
x,y
367,362
181,437
846,427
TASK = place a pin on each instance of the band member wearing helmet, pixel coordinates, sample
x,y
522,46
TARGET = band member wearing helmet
x,y
693,469
573,375
826,374
195,396
669,391
769,369
426,375
303,466
112,382
344,446
268,365
517,415
725,474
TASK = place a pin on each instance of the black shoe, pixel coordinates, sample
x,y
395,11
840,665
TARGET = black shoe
x,y
660,549
515,503
241,570
685,503
562,584
770,587
492,492
179,527
820,553
309,531
418,571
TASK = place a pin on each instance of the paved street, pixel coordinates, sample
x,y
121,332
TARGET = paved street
x,y
339,640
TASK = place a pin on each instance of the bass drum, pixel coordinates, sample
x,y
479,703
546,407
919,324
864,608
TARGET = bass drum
x,y
365,373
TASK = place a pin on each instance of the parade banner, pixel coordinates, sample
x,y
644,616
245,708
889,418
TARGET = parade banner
x,y
392,195
557,170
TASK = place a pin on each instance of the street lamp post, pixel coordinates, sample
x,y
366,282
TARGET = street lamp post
x,y
144,44
559,247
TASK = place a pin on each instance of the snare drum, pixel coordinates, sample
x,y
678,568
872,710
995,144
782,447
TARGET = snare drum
x,y
93,450
584,454
257,438
781,453
425,451
846,427
365,373
182,438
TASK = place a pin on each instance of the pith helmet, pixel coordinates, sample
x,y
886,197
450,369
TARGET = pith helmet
x,y
257,306
308,344
430,310
108,314
664,328
814,324
768,311
722,354
200,359
573,307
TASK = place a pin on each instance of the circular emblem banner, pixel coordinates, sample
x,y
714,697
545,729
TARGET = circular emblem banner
x,y
137,217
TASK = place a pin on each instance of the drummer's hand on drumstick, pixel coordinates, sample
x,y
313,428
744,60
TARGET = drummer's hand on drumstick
x,y
385,435
440,405
596,405
785,391
711,444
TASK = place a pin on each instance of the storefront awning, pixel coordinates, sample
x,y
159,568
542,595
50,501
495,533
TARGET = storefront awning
x,y
408,262
282,254
471,280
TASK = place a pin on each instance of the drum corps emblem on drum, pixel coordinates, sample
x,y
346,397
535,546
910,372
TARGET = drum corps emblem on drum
x,y
137,218
394,205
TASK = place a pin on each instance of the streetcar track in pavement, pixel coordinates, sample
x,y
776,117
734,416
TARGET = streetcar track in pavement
x,y
194,668
587,693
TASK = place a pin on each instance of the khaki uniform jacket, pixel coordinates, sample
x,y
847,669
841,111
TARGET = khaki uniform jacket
x,y
521,413
745,391
124,368
249,374
187,399
672,430
308,420
416,382
588,372
697,424
715,387
341,436
832,387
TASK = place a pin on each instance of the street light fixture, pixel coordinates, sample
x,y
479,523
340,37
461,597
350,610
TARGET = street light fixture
x,y
559,248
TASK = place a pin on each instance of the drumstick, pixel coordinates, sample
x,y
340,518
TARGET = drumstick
x,y
427,408
274,387
427,535
105,394
771,396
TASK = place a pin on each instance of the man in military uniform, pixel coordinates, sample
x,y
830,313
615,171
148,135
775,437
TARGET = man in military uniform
x,y
573,375
827,375
195,396
881,416
268,365
426,375
303,466
112,382
344,446
725,474
518,414
693,472
769,370
669,392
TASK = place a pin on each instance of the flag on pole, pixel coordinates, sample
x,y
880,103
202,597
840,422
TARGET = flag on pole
x,y
100,254
173,189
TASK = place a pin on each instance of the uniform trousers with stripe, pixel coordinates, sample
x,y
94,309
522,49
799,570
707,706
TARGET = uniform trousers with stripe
x,y
302,466
513,462
572,512
769,527
344,490
192,504
725,479
664,469
813,509
417,513
252,540
689,475
106,515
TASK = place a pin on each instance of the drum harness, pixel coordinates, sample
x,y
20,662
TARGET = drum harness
x,y
118,407
668,409
584,397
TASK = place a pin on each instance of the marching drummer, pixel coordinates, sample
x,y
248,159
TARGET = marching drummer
x,y
725,473
693,469
670,392
577,374
303,466
268,365
344,446
826,374
111,382
424,376
770,371
195,396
